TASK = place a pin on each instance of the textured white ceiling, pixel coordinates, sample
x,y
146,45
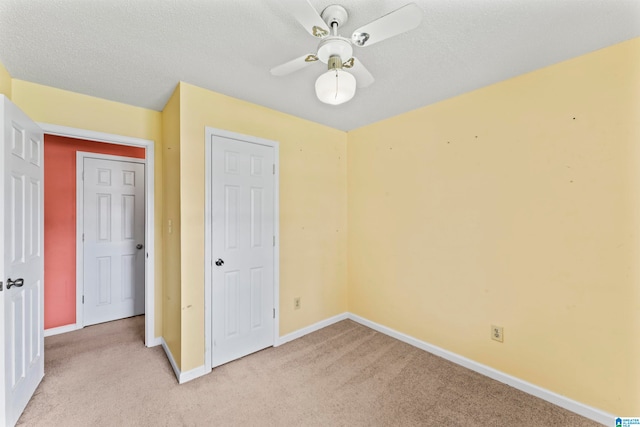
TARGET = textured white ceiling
x,y
136,51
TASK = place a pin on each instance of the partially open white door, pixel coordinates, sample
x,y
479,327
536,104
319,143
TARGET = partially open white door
x,y
21,261
113,237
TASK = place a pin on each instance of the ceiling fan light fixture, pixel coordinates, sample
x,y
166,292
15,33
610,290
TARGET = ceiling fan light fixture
x,y
335,87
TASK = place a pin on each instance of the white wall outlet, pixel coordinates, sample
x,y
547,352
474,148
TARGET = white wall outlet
x,y
296,303
497,333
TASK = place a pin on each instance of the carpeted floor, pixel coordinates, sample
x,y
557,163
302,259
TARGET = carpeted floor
x,y
343,375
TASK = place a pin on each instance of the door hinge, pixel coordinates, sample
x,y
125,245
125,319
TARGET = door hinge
x,y
83,237
274,241
274,168
83,299
83,175
0,285
274,313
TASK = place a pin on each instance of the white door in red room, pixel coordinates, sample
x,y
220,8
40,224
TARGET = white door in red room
x,y
21,261
113,215
243,249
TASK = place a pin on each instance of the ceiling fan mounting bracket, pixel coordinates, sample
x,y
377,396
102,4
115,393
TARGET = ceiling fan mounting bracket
x,y
334,14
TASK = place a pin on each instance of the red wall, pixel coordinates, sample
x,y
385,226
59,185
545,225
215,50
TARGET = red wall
x,y
60,222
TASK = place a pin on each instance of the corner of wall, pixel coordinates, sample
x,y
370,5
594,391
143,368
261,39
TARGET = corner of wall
x,y
171,253
517,205
6,82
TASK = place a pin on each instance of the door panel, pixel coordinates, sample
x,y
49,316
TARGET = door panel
x,y
113,255
242,236
257,308
21,262
232,303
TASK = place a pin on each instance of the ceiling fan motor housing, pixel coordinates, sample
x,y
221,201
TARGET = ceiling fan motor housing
x,y
335,46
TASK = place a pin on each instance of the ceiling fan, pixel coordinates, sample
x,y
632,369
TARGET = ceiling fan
x,y
337,86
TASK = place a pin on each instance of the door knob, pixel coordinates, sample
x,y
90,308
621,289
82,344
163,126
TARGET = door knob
x,y
17,283
219,262
139,246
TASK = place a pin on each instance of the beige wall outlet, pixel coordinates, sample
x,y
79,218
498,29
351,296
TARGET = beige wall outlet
x,y
497,333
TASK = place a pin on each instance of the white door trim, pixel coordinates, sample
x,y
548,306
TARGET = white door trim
x,y
149,146
208,259
80,156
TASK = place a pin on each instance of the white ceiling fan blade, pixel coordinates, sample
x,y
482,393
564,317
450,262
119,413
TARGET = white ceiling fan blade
x,y
308,17
294,65
397,22
362,75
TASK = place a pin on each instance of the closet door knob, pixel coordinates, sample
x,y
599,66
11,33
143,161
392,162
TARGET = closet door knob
x,y
18,283
219,262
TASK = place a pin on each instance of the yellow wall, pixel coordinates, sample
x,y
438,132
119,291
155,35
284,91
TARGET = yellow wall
x,y
313,216
5,82
516,205
171,212
55,106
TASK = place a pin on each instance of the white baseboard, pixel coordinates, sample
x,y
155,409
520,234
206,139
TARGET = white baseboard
x,y
312,328
155,342
61,330
174,365
532,389
182,377
193,374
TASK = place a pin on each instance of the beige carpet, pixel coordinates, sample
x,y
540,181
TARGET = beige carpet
x,y
343,375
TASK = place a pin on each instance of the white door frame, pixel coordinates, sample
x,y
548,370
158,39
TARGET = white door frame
x,y
150,339
80,156
208,226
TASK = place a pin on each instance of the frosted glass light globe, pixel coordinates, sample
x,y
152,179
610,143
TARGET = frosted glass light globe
x,y
335,87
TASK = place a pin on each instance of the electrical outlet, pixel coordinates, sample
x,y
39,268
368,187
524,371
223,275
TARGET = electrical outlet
x,y
296,303
497,333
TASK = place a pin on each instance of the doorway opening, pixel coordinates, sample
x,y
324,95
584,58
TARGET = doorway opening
x,y
62,291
